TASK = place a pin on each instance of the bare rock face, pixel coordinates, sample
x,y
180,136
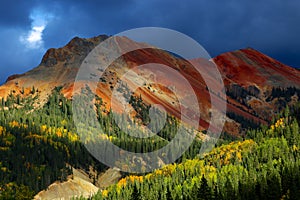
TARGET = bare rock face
x,y
72,188
252,80
80,185
248,67
73,53
109,177
249,78
12,77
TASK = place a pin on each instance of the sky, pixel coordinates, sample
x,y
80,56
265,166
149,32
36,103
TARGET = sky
x,y
29,27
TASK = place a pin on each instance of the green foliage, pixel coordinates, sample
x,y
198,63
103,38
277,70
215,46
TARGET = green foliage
x,y
37,144
204,191
264,167
14,191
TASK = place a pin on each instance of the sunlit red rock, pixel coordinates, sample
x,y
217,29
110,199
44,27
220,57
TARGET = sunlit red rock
x,y
245,68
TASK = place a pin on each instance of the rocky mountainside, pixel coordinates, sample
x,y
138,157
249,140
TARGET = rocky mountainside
x,y
257,86
79,185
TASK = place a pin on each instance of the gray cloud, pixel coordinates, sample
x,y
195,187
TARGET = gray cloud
x,y
269,26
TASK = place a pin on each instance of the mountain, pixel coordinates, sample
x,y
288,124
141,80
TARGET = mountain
x,y
41,152
257,86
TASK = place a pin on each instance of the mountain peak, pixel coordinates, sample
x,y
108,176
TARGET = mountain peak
x,y
77,46
250,53
79,42
248,66
244,69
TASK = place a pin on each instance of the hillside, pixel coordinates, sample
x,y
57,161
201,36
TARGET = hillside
x,y
264,166
257,86
40,143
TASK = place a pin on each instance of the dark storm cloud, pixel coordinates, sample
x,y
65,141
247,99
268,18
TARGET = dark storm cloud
x,y
269,26
15,13
13,57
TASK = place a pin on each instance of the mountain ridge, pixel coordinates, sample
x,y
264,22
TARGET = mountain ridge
x,y
247,74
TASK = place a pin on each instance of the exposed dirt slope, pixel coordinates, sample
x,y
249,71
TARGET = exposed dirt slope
x,y
249,77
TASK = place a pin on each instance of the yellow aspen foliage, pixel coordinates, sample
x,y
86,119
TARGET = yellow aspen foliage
x,y
73,137
2,130
228,153
122,183
43,128
239,156
14,124
148,176
295,148
210,168
50,130
4,169
158,172
64,122
4,148
278,124
58,133
272,127
105,193
135,178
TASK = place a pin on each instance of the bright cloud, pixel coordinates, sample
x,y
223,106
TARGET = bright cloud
x,y
36,34
33,39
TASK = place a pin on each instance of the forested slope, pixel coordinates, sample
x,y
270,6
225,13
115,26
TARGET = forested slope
x,y
263,166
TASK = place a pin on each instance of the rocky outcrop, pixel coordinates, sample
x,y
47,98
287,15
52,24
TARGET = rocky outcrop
x,y
12,77
73,53
70,189
80,184
249,77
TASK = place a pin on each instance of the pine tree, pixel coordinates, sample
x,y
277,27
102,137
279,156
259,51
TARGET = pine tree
x,y
135,193
204,192
33,90
274,187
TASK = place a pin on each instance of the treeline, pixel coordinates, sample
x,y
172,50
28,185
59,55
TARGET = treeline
x,y
280,97
240,93
264,166
286,93
245,122
128,133
38,146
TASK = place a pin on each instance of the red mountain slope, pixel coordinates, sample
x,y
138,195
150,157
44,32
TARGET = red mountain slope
x,y
249,77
